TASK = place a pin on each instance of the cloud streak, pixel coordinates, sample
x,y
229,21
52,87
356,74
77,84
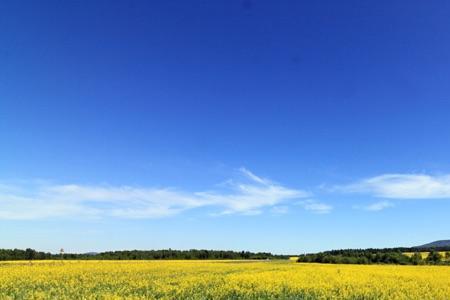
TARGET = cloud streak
x,y
315,206
402,186
44,200
379,206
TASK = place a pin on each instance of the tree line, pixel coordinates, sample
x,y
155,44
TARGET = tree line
x,y
378,256
346,256
31,254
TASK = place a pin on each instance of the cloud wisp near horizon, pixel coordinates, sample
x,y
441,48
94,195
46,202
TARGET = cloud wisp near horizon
x,y
397,186
401,186
45,200
251,195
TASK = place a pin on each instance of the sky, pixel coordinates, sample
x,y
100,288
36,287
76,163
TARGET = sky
x,y
282,126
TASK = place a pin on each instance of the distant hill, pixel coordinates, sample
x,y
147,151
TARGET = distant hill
x,y
436,244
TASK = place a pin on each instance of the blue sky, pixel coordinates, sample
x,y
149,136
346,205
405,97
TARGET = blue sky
x,y
248,125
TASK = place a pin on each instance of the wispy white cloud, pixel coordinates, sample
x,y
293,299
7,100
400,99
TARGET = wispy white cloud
x,y
377,206
402,186
255,178
280,210
250,198
315,206
46,200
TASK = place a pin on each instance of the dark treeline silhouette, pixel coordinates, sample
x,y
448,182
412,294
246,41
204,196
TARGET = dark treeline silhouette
x,y
378,256
30,254
347,256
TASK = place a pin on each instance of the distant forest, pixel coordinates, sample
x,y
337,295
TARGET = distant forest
x,y
436,256
30,254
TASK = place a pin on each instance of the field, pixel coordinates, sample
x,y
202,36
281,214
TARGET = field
x,y
219,280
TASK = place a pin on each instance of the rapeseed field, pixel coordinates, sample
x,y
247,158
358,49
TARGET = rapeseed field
x,y
219,280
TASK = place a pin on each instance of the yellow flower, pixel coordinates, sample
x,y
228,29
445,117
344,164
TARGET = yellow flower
x,y
219,280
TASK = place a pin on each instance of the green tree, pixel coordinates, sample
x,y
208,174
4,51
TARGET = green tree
x,y
30,254
434,257
416,259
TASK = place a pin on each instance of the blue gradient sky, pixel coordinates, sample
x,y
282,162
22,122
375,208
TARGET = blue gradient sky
x,y
249,125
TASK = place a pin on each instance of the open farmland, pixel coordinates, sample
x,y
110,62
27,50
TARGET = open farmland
x,y
219,280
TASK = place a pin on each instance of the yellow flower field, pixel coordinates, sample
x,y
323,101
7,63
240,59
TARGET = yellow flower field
x,y
219,280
